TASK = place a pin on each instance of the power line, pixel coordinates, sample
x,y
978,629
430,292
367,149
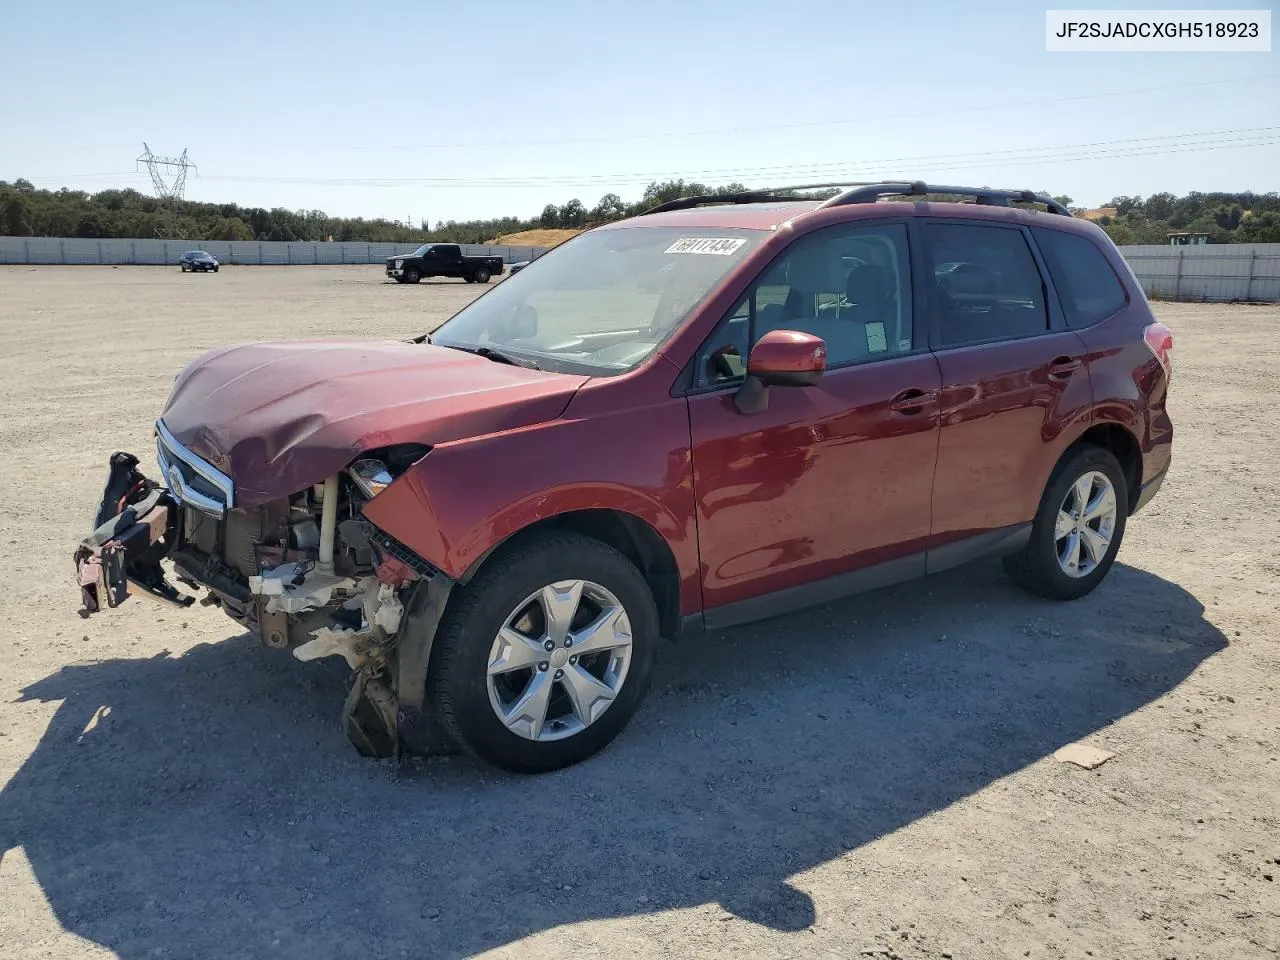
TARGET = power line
x,y
830,122
1141,146
1060,153
819,167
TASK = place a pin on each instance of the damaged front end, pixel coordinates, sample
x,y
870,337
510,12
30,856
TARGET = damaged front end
x,y
304,572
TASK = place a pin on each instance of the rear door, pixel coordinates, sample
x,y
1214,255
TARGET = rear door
x,y
829,478
450,260
1015,387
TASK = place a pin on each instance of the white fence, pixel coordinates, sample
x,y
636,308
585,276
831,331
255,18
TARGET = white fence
x,y
1212,271
79,250
1228,271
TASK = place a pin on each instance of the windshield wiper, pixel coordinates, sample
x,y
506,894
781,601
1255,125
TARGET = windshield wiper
x,y
499,357
489,353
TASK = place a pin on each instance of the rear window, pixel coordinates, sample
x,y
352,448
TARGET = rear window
x,y
988,286
1087,286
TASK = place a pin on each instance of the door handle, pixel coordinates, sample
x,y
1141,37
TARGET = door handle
x,y
912,401
1063,367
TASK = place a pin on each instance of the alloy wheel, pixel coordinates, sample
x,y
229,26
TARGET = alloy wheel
x,y
560,660
1085,524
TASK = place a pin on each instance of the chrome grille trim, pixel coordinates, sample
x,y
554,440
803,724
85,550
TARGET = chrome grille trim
x,y
168,450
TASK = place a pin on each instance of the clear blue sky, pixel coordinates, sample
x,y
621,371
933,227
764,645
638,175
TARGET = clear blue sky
x,y
565,99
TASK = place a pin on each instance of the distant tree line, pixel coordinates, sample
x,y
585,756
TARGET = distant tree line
x,y
25,211
575,214
1226,217
28,212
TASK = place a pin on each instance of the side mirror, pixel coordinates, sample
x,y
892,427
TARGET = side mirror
x,y
782,358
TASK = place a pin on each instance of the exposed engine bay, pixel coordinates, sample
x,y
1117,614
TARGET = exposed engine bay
x,y
306,573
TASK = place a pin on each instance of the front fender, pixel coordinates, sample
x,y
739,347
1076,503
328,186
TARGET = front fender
x,y
466,497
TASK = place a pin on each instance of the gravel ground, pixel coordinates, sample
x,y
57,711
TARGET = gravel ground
x,y
874,775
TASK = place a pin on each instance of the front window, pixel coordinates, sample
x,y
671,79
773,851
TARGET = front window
x,y
849,284
604,301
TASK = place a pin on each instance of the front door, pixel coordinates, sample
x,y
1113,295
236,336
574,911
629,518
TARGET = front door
x,y
830,478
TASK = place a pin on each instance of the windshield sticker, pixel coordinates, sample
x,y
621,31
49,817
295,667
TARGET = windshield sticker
x,y
719,246
876,342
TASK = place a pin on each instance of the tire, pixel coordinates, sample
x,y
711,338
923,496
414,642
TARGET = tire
x,y
481,275
183,266
459,683
412,275
1037,566
215,269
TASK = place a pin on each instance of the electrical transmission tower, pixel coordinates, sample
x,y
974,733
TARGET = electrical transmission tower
x,y
170,188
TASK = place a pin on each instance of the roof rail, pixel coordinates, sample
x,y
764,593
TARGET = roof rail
x,y
864,192
749,196
870,193
763,195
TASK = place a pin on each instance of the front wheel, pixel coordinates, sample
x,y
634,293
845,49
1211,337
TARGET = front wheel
x,y
1078,528
481,275
543,658
412,275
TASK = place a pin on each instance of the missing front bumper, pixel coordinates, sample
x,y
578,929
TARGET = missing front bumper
x,y
382,624
135,527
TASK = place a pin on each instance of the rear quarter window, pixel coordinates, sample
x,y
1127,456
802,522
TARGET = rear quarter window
x,y
1088,287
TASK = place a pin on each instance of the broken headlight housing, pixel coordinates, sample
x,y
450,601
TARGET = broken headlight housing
x,y
370,476
373,472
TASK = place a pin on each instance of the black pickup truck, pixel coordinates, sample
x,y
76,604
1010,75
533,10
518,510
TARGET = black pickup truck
x,y
442,260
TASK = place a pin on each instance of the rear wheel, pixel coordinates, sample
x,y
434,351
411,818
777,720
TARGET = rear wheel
x,y
1078,528
412,275
545,655
481,275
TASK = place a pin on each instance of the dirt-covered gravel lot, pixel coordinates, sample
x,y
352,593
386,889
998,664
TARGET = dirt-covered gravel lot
x,y
875,775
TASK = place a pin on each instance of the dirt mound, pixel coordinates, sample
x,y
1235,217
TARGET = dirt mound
x,y
537,238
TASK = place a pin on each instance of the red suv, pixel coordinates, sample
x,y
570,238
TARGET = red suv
x,y
725,409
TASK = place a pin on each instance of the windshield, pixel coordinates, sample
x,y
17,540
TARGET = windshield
x,y
602,302
422,250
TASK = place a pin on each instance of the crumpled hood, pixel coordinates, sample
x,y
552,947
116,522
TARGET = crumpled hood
x,y
278,417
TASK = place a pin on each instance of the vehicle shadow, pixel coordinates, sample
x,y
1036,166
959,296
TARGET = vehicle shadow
x,y
206,805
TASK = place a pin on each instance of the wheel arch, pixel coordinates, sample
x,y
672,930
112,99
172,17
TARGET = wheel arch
x,y
629,534
1123,445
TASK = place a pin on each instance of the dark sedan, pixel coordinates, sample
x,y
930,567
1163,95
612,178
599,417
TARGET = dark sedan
x,y
197,260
